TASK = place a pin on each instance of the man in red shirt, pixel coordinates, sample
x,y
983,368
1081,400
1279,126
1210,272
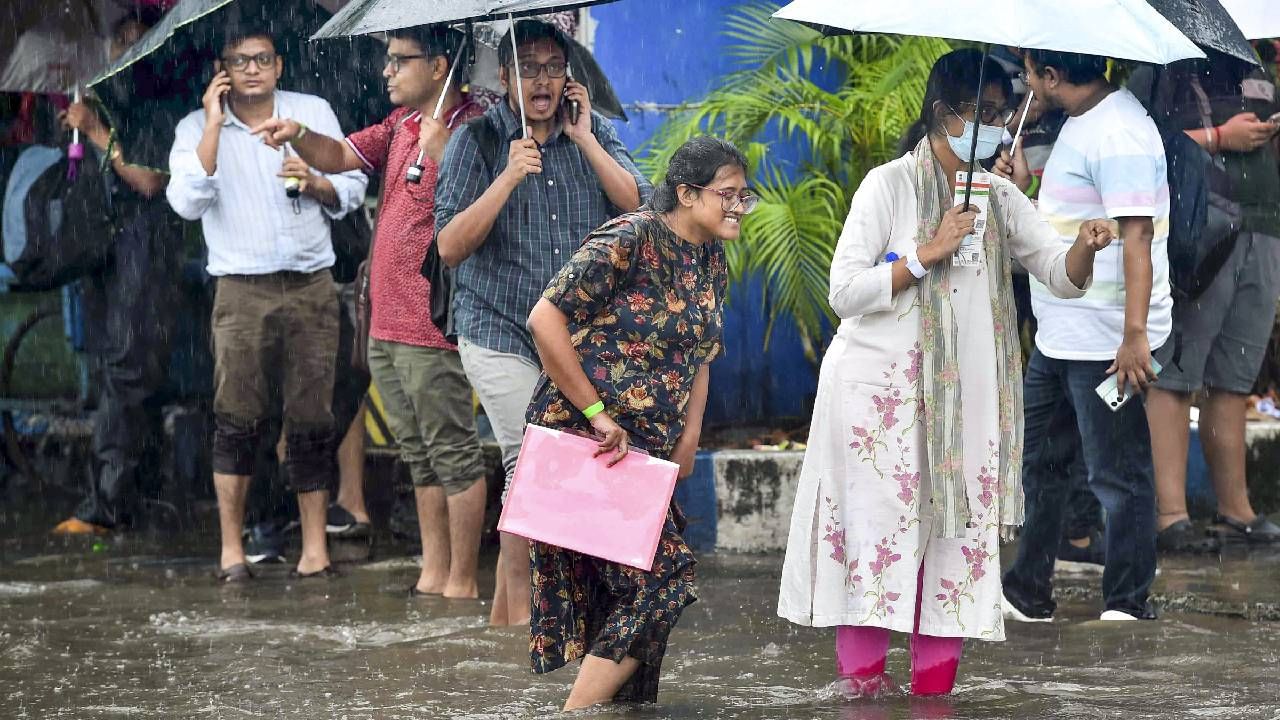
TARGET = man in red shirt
x,y
417,371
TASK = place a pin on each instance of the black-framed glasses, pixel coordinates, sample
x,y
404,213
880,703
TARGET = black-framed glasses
x,y
730,200
397,61
990,113
555,69
240,61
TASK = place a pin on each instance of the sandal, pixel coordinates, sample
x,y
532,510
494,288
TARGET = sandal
x,y
325,573
1261,531
415,593
1182,537
237,573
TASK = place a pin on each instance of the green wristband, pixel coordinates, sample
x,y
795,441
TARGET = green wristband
x,y
591,411
1034,188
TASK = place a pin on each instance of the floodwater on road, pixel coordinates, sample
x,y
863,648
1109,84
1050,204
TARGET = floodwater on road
x,y
139,629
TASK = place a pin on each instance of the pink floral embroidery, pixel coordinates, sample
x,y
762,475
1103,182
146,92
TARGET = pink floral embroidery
x,y
908,484
835,533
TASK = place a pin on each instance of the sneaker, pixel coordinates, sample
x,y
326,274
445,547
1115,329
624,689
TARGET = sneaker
x,y
341,524
1013,612
1117,616
264,543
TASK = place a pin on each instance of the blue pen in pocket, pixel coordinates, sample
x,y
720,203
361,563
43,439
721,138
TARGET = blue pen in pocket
x,y
891,258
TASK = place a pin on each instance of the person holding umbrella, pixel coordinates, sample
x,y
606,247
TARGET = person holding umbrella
x,y
512,205
914,455
130,310
417,371
275,316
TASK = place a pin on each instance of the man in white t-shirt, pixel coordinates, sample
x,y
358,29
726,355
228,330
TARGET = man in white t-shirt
x,y
1108,162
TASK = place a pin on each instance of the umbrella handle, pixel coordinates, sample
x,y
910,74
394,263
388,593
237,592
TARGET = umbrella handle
x,y
515,66
75,132
1031,96
444,91
977,112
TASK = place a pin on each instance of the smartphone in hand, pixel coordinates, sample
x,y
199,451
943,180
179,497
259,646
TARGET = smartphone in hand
x,y
1109,390
574,109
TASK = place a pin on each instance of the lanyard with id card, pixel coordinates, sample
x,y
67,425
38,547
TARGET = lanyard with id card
x,y
970,252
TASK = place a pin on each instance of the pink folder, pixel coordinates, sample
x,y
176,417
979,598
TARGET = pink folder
x,y
561,495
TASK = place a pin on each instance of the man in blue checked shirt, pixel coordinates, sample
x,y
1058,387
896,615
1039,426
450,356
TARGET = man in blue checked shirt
x,y
265,216
508,226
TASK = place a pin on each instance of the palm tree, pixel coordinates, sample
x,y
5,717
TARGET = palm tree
x,y
843,102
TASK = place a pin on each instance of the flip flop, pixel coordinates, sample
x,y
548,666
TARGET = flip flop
x,y
237,573
325,573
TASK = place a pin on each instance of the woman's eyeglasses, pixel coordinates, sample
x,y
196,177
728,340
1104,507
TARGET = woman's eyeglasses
x,y
991,114
730,200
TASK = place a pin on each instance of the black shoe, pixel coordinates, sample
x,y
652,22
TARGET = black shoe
x,y
264,543
1259,532
235,574
1094,553
1183,537
404,520
341,524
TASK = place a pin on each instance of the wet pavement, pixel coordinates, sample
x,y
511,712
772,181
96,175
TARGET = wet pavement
x,y
137,628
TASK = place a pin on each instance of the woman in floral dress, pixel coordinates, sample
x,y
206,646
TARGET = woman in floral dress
x,y
915,446
631,325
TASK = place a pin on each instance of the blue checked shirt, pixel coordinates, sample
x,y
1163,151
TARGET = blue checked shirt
x,y
541,226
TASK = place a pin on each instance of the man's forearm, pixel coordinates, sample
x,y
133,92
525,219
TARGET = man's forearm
x,y
207,149
467,231
322,190
325,153
618,184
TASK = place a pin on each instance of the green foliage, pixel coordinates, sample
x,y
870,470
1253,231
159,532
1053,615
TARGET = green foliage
x,y
844,102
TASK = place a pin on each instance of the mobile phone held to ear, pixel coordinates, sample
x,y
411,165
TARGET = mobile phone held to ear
x,y
1274,119
574,109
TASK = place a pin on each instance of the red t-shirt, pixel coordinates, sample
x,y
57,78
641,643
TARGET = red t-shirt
x,y
398,293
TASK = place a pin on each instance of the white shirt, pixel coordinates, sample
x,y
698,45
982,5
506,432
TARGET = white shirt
x,y
1107,163
250,226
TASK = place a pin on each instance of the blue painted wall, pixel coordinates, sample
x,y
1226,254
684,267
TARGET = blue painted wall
x,y
671,51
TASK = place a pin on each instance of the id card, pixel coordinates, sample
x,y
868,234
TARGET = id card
x,y
970,252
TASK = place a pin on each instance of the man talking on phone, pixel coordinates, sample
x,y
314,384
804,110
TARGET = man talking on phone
x,y
275,314
512,206
1226,317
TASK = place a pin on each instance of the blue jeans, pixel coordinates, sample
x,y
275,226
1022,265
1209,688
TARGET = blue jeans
x,y
1060,399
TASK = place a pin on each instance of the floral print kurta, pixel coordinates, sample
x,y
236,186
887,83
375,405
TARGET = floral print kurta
x,y
644,310
862,528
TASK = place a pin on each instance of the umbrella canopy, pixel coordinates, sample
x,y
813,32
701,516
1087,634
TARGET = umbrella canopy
x,y
1258,19
1208,24
368,16
47,48
585,68
1126,29
163,76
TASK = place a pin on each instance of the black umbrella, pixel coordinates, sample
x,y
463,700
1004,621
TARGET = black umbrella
x,y
163,76
1207,24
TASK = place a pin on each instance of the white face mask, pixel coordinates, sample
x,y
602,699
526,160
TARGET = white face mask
x,y
989,139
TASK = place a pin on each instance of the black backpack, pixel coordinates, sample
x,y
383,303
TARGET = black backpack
x,y
1203,222
433,268
57,229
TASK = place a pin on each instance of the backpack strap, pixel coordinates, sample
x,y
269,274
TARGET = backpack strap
x,y
488,139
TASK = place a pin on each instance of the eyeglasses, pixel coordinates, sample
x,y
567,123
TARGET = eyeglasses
x,y
555,69
397,61
990,113
239,62
729,200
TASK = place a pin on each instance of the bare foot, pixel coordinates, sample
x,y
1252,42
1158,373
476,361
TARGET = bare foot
x,y
498,615
430,585
312,564
462,591
231,559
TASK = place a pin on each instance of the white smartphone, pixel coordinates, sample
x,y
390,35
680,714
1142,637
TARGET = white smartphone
x,y
1109,390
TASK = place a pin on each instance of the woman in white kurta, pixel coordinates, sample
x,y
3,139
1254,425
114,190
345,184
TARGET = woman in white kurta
x,y
915,446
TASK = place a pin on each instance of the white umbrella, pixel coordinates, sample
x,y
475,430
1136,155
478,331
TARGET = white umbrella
x,y
1126,29
1258,19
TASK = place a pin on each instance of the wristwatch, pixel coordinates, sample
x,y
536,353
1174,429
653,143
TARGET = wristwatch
x,y
914,265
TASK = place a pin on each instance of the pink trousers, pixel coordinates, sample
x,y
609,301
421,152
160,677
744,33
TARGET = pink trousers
x,y
861,653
